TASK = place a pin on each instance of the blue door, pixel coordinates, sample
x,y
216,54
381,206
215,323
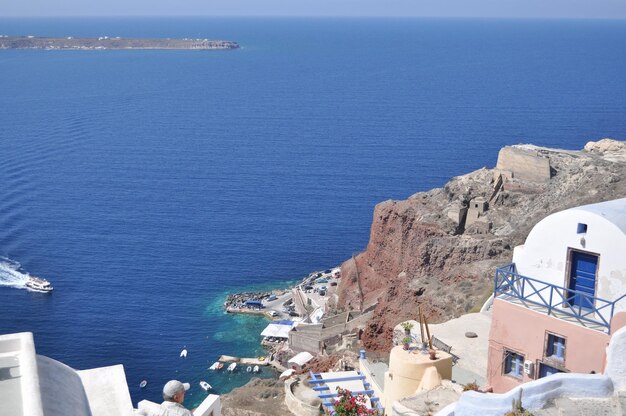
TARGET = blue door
x,y
545,370
582,278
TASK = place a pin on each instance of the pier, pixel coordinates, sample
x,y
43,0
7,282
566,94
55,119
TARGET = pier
x,y
244,361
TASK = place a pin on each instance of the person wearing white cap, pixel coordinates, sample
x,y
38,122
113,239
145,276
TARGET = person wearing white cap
x,y
173,396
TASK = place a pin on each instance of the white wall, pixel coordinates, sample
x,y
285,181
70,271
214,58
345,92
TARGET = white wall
x,y
615,363
535,394
544,256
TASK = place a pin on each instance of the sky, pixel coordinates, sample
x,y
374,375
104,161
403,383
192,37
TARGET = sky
x,y
614,9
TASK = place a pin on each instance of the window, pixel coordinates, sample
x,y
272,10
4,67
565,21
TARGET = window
x,y
513,364
581,228
555,347
546,370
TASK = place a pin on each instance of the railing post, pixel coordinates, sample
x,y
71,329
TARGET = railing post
x,y
495,283
550,305
611,317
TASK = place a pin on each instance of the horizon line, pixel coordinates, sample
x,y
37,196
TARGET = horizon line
x,y
149,16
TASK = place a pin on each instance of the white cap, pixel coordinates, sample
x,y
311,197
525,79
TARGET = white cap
x,y
173,387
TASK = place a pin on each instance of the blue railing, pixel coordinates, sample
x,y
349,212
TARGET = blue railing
x,y
586,309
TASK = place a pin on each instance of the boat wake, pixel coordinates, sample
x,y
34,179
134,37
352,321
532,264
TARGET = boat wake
x,y
10,274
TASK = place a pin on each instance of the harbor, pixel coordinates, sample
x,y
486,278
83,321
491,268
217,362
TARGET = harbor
x,y
305,301
302,306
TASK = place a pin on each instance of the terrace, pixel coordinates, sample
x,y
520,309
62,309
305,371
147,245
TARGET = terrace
x,y
562,303
327,384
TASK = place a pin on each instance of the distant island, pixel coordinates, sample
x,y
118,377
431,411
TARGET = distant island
x,y
106,42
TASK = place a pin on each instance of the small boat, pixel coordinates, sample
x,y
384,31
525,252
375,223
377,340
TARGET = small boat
x,y
249,369
143,384
232,367
220,366
205,386
256,369
215,366
183,353
39,285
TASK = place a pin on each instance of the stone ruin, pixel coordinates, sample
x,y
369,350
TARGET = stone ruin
x,y
519,168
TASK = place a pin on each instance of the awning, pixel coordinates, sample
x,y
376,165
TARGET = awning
x,y
283,322
301,358
253,303
287,373
277,331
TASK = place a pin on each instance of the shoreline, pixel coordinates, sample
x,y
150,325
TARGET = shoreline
x,y
301,302
281,301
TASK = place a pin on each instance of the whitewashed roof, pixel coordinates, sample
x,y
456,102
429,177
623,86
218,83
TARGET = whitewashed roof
x,y
301,358
613,211
35,383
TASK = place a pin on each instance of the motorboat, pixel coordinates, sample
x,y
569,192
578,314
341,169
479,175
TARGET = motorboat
x,y
249,369
38,284
183,353
232,367
143,384
216,366
205,386
220,366
255,369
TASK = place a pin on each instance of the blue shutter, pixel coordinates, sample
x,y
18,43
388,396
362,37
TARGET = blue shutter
x,y
550,349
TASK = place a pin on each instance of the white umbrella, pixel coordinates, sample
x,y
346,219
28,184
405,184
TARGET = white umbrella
x,y
287,373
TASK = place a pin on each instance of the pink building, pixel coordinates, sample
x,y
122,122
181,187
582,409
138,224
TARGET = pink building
x,y
556,306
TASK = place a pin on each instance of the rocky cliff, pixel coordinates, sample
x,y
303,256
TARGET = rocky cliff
x,y
439,249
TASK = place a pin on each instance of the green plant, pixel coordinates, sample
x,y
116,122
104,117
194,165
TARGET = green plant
x,y
406,340
522,412
471,386
348,405
407,326
516,407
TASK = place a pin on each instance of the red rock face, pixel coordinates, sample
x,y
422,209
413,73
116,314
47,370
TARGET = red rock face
x,y
410,262
417,256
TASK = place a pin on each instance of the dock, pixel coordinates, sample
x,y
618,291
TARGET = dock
x,y
244,361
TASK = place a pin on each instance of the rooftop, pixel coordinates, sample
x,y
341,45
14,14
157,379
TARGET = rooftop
x,y
10,378
470,353
613,211
35,385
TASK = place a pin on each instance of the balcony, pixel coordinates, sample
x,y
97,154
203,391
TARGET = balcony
x,y
570,305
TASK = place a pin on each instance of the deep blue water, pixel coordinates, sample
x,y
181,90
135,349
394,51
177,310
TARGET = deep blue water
x,y
145,185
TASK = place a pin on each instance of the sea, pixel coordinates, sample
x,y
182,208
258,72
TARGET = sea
x,y
146,185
